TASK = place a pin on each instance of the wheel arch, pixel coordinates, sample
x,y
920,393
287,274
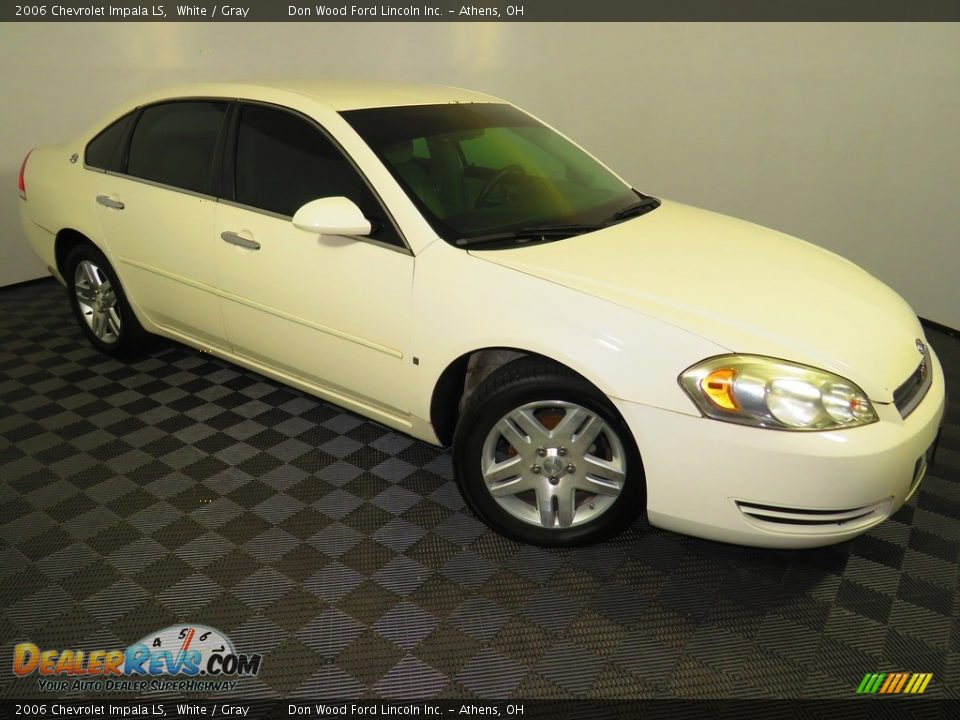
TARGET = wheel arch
x,y
532,477
460,378
65,240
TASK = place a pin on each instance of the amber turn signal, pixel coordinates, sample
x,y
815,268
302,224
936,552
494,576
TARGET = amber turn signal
x,y
718,386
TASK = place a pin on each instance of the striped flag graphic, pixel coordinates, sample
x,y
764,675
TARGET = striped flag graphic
x,y
898,683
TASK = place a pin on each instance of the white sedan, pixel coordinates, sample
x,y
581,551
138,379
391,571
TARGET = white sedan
x,y
446,264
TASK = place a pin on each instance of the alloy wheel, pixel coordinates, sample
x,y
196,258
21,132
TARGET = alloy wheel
x,y
98,301
553,464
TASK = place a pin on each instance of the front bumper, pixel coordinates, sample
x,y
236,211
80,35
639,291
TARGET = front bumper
x,y
771,488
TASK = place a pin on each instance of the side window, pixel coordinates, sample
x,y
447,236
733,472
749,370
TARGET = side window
x,y
105,151
174,143
284,161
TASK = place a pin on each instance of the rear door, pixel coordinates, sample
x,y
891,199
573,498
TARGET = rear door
x,y
157,216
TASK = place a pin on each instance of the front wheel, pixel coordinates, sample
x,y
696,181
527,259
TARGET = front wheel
x,y
544,458
100,305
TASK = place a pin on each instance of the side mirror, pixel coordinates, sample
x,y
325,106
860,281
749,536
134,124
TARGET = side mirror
x,y
332,216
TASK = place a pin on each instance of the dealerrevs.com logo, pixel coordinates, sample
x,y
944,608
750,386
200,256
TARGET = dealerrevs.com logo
x,y
182,658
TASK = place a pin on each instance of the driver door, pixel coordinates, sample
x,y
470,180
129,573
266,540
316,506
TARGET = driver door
x,y
330,312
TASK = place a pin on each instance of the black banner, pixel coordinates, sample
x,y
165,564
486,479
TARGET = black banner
x,y
240,709
484,11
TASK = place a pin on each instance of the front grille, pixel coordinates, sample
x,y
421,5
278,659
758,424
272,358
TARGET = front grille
x,y
914,388
786,519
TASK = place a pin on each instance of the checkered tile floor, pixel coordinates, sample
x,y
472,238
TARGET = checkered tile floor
x,y
181,489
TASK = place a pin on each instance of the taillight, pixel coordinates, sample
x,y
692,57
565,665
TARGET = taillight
x,y
21,185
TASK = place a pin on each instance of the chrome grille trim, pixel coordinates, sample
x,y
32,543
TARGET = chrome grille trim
x,y
914,388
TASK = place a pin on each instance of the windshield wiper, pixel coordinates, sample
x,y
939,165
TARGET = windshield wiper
x,y
534,232
642,206
556,231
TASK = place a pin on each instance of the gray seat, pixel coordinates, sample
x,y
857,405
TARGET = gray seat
x,y
422,175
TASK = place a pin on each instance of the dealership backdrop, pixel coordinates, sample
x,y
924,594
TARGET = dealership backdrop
x,y
842,134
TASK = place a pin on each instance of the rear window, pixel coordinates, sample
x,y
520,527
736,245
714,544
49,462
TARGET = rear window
x,y
175,143
105,151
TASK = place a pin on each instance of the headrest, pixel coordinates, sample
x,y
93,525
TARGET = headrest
x,y
400,152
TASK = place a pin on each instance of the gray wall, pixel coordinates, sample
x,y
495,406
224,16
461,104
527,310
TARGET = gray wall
x,y
847,135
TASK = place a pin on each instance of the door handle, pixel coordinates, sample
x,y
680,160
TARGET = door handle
x,y
234,239
109,202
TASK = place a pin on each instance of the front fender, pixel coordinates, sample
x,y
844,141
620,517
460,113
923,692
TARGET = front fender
x,y
462,303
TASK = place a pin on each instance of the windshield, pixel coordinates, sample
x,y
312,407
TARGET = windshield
x,y
488,172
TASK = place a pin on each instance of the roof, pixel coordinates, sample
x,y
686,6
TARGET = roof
x,y
353,95
336,94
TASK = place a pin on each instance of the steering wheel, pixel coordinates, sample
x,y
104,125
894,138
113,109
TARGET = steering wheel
x,y
483,199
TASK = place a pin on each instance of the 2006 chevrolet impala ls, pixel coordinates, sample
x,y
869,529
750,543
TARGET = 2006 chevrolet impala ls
x,y
446,264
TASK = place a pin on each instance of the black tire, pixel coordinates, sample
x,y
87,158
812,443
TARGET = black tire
x,y
125,335
526,383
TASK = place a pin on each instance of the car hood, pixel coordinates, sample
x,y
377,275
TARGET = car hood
x,y
744,287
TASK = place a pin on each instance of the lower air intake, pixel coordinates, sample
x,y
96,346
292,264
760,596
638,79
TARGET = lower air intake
x,y
806,521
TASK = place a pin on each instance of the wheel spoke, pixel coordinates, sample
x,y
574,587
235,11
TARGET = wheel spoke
x,y
516,438
566,505
97,323
586,437
603,477
509,488
113,319
599,486
506,470
572,419
545,507
526,421
85,294
90,270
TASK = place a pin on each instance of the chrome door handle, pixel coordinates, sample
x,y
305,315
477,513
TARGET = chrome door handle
x,y
234,239
109,202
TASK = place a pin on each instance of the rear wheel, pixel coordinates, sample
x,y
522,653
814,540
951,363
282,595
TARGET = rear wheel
x,y
544,458
100,305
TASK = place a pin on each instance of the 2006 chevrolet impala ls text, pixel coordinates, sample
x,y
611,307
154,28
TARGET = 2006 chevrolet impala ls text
x,y
446,264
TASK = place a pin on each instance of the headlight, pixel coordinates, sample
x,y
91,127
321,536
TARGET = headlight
x,y
764,392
